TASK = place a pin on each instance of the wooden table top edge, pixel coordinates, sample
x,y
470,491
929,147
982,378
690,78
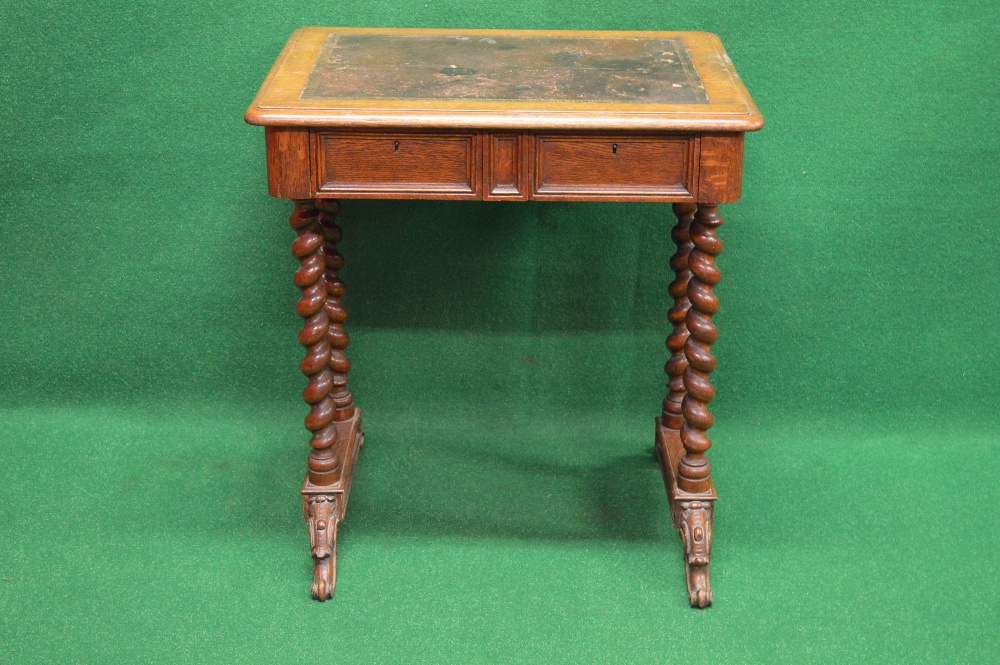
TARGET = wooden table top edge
x,y
739,115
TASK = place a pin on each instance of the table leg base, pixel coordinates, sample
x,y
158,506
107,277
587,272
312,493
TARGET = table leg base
x,y
323,507
692,514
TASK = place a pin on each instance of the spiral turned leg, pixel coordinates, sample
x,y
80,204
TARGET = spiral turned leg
x,y
334,422
324,463
694,472
673,416
336,337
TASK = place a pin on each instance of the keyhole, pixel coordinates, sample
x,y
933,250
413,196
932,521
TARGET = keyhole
x,y
395,146
614,148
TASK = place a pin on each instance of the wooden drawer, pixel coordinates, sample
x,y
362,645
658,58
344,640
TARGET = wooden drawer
x,y
614,167
496,165
397,164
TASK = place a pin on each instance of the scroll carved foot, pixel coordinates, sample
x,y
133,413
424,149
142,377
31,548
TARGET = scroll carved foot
x,y
693,519
323,516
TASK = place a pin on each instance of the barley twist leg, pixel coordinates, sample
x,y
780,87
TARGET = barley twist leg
x,y
694,471
336,336
673,415
324,464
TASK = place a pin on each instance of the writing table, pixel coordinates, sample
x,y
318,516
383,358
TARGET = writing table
x,y
506,116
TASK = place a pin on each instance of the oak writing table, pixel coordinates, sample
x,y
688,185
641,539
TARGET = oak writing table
x,y
506,116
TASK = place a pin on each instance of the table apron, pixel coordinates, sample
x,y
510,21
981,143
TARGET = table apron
x,y
406,163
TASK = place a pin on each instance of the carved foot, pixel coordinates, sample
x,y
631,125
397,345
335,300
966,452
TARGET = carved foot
x,y
323,517
693,520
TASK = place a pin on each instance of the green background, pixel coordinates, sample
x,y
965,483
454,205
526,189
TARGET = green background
x,y
508,359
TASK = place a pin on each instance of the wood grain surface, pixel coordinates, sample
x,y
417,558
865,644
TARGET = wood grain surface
x,y
619,165
398,164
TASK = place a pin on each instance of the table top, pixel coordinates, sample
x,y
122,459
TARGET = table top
x,y
504,79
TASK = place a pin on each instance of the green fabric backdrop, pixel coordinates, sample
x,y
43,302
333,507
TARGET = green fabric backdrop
x,y
508,359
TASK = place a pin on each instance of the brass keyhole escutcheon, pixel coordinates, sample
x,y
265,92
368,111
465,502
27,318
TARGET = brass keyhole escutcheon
x,y
395,146
614,148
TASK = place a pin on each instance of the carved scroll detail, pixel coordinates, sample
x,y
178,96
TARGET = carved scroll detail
x,y
673,416
323,513
694,470
693,520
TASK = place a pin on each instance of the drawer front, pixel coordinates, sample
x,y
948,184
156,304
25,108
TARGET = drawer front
x,y
615,167
397,164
